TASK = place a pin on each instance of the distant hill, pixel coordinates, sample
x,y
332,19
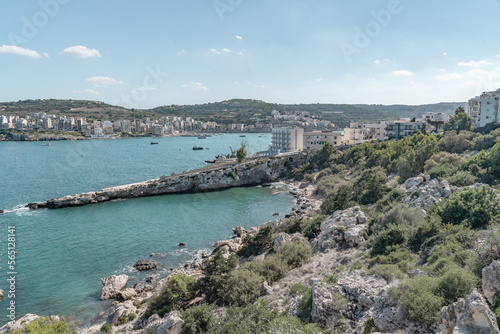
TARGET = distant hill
x,y
230,111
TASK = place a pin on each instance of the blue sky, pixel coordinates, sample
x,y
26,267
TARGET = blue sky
x,y
151,53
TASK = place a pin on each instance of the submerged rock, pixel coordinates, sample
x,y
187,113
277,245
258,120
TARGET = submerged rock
x,y
112,286
143,265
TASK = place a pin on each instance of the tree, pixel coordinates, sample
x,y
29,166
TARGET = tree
x,y
459,110
241,154
461,121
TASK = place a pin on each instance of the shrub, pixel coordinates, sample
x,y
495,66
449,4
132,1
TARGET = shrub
x,y
311,227
258,244
370,186
388,200
178,290
305,305
456,283
295,253
121,320
299,288
369,326
388,271
399,214
462,179
457,143
392,235
44,325
443,158
106,328
131,316
472,207
216,270
199,319
272,268
242,287
282,325
419,298
246,320
339,200
332,279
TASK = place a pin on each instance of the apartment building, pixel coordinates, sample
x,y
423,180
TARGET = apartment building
x,y
317,139
287,139
483,109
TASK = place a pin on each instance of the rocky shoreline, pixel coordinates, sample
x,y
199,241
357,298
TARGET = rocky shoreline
x,y
253,172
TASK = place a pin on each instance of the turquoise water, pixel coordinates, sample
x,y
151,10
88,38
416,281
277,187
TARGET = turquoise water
x,y
62,254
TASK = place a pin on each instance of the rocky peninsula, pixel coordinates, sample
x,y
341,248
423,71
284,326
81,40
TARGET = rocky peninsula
x,y
248,173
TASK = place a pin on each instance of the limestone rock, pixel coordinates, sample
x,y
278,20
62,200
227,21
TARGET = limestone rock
x,y
112,286
18,324
388,315
128,293
491,282
172,324
413,182
123,309
239,231
265,289
143,265
469,316
232,245
328,304
281,239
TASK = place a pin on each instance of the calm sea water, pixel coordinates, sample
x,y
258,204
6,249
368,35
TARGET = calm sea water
x,y
62,254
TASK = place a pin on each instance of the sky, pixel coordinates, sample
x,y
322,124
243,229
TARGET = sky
x,y
143,54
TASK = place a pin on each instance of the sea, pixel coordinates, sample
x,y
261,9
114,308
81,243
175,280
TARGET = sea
x,y
52,261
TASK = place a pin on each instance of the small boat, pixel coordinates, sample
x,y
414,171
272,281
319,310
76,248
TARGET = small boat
x,y
202,137
46,144
197,148
242,136
210,161
154,143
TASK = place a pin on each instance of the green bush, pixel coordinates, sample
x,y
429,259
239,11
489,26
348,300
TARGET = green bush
x,y
106,328
242,288
298,288
457,143
295,253
456,283
251,319
341,199
199,319
462,179
216,270
259,243
419,298
178,290
121,320
272,268
305,305
311,227
390,199
44,325
399,214
388,271
392,235
291,325
472,207
131,316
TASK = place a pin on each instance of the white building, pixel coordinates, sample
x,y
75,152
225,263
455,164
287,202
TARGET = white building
x,y
287,139
404,127
317,139
358,133
483,109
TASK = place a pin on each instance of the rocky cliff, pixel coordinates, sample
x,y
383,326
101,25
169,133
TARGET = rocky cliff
x,y
249,173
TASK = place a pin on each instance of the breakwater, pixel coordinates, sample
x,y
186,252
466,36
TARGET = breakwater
x,y
249,173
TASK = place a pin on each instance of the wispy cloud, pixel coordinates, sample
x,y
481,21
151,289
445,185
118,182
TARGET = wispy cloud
x,y
92,92
104,81
449,76
319,79
402,73
81,51
385,60
219,52
445,53
474,63
17,50
196,86
182,52
239,37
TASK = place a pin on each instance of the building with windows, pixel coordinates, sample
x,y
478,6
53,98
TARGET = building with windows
x,y
405,127
287,139
317,139
483,109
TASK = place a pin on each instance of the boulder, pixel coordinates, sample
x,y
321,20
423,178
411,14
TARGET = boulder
x,y
171,324
143,265
232,245
414,181
469,316
491,282
328,304
281,239
123,309
388,315
128,293
239,231
112,286
18,324
265,289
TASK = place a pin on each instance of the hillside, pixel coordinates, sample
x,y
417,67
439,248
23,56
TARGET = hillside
x,y
227,112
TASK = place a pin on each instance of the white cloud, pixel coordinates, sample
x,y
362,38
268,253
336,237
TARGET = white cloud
x,y
91,91
182,52
385,60
104,81
474,63
219,52
76,92
442,70
239,37
445,54
17,50
196,86
319,79
81,51
241,53
402,73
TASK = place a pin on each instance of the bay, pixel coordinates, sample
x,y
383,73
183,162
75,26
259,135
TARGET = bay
x,y
62,254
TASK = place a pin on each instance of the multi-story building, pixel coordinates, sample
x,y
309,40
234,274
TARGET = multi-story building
x,y
404,127
287,139
483,109
317,139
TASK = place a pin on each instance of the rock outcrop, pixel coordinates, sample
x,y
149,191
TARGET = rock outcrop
x,y
344,226
491,282
143,265
112,286
468,316
18,324
171,324
253,172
